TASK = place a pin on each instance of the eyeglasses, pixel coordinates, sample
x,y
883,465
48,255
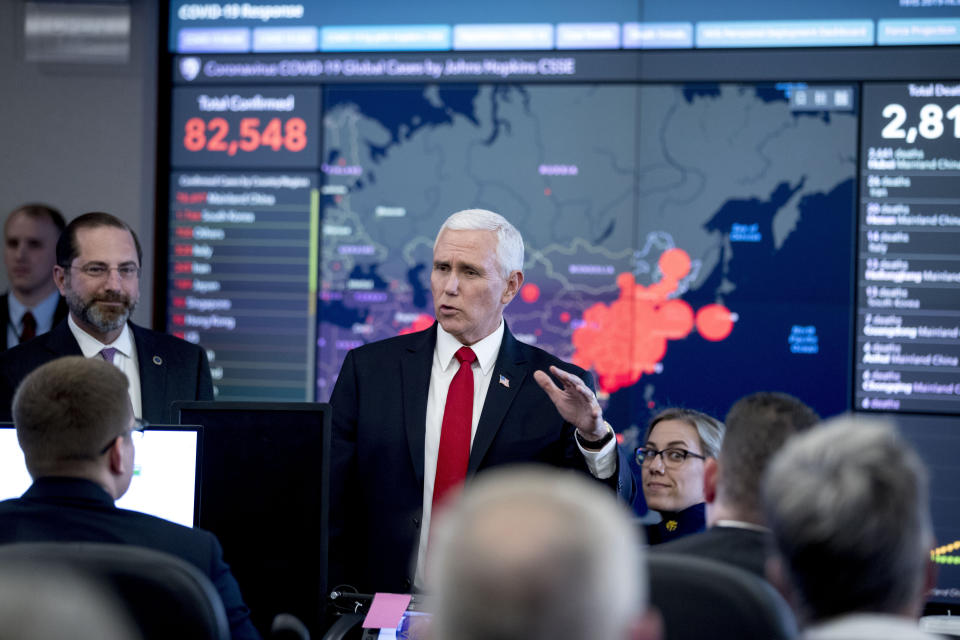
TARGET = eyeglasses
x,y
98,271
136,434
672,458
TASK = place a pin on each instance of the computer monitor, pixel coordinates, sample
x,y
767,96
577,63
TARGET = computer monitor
x,y
265,486
166,482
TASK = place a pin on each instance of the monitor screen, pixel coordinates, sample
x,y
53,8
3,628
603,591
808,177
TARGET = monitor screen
x,y
265,475
165,481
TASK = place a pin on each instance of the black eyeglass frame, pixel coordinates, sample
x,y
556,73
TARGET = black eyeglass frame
x,y
643,454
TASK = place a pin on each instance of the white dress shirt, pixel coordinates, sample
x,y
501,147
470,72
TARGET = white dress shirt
x,y
124,359
602,463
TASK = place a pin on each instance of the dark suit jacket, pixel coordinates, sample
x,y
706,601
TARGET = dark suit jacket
x,y
75,510
60,313
170,368
379,414
744,548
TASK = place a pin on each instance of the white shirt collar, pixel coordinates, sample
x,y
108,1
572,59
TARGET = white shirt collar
x,y
486,350
90,346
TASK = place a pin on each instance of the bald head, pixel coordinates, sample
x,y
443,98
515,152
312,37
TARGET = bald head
x,y
537,554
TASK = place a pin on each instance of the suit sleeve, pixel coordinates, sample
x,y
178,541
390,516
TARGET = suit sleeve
x,y
343,474
238,615
622,481
204,379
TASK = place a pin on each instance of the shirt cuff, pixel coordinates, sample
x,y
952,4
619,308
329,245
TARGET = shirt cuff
x,y
603,463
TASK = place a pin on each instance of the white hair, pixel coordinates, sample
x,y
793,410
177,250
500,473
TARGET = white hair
x,y
509,240
536,553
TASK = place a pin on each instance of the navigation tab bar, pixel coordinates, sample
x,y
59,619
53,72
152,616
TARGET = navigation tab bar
x,y
567,36
785,33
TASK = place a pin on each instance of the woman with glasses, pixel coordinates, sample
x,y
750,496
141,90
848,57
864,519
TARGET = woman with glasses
x,y
672,460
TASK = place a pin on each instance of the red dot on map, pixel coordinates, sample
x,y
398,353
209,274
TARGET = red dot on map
x,y
342,162
565,316
714,322
675,263
530,293
547,191
651,404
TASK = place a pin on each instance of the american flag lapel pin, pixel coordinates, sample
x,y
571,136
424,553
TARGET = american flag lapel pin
x,y
504,381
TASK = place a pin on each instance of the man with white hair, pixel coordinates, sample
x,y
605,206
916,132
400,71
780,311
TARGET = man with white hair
x,y
539,554
417,415
848,505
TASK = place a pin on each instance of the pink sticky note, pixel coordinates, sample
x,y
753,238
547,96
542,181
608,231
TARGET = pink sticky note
x,y
386,611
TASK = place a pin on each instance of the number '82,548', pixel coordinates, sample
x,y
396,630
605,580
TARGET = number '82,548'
x,y
200,135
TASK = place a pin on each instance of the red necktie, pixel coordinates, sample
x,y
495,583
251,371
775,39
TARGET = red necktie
x,y
29,327
454,451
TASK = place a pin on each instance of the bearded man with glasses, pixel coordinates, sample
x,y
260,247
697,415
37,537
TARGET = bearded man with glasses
x,y
98,273
672,462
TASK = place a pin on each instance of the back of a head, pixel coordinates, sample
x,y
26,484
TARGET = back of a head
x,y
509,240
757,427
66,410
536,554
847,502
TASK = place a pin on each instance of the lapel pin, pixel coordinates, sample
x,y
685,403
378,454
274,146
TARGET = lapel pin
x,y
157,360
504,381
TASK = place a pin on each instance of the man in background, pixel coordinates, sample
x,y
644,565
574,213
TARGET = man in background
x,y
33,305
75,426
98,272
849,508
539,554
758,425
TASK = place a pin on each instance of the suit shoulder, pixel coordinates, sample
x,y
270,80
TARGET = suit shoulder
x,y
166,530
389,346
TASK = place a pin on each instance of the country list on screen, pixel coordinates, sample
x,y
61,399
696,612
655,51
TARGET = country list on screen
x,y
241,251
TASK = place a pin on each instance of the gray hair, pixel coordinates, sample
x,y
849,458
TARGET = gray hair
x,y
757,427
710,430
509,240
66,410
848,505
537,554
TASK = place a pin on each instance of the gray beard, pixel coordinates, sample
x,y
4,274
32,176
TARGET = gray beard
x,y
104,321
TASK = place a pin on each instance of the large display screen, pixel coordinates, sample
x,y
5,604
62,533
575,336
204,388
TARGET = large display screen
x,y
699,224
